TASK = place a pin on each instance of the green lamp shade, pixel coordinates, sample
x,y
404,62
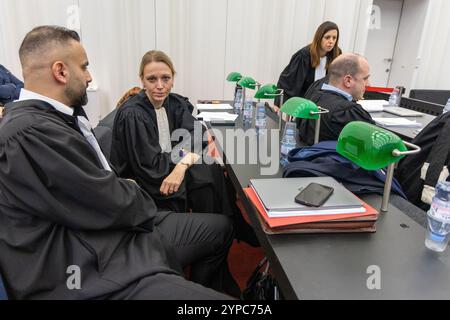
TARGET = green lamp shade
x,y
234,77
300,108
269,91
248,83
369,146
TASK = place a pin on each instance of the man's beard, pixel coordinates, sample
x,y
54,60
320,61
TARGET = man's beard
x,y
76,98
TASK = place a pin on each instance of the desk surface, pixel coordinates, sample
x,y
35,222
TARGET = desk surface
x,y
405,133
327,266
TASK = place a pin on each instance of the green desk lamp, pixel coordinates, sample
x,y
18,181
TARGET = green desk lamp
x,y
248,83
374,148
270,91
305,109
234,77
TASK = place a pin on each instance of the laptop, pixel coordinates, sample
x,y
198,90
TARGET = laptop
x,y
278,197
402,112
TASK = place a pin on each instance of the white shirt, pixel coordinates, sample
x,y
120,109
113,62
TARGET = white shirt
x,y
321,70
163,130
83,123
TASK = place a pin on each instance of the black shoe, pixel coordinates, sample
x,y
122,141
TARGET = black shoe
x,y
244,232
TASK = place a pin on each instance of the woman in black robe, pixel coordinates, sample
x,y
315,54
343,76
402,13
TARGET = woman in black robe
x,y
142,149
310,63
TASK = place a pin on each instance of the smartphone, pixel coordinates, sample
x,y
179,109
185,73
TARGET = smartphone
x,y
314,195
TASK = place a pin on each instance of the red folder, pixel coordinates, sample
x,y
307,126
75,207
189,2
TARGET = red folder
x,y
334,221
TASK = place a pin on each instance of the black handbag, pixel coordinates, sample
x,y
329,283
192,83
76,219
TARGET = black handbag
x,y
262,285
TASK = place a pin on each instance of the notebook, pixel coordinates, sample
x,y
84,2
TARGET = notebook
x,y
277,196
402,112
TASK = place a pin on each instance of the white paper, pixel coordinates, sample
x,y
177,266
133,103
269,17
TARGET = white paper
x,y
214,106
373,105
396,122
218,116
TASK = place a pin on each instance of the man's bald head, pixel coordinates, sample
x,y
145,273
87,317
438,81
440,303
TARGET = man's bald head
x,y
350,72
43,45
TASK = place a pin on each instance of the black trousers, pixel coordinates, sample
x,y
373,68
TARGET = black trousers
x,y
199,240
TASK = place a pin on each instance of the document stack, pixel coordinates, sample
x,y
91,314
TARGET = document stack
x,y
343,212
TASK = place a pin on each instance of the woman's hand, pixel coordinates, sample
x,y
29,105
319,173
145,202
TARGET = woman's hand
x,y
174,180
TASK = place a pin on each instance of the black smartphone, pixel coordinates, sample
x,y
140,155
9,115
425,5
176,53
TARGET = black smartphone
x,y
314,195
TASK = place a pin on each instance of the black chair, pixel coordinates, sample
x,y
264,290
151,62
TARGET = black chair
x,y
103,133
422,106
433,96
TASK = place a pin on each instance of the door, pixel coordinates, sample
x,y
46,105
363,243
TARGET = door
x,y
380,49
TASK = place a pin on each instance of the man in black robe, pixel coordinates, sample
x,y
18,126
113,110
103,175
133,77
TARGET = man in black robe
x,y
69,227
348,77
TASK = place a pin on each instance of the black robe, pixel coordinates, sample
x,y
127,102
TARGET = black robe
x,y
59,208
297,76
342,112
434,139
137,155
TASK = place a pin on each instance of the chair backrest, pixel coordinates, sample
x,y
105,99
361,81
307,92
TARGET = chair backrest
x,y
3,295
433,96
103,132
422,106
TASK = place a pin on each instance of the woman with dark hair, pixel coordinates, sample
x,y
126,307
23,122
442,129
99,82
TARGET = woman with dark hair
x,y
311,62
142,149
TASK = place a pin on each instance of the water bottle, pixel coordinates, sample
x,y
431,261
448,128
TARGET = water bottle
x,y
393,98
248,111
439,219
288,142
447,107
238,100
260,121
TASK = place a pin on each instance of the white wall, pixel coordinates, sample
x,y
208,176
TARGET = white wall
x,y
434,66
206,39
407,58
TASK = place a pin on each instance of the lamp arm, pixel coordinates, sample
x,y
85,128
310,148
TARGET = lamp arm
x,y
321,111
415,149
272,95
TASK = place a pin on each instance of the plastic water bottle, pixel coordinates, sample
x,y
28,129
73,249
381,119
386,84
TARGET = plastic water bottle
x,y
260,121
248,111
238,100
439,219
393,98
288,142
447,107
